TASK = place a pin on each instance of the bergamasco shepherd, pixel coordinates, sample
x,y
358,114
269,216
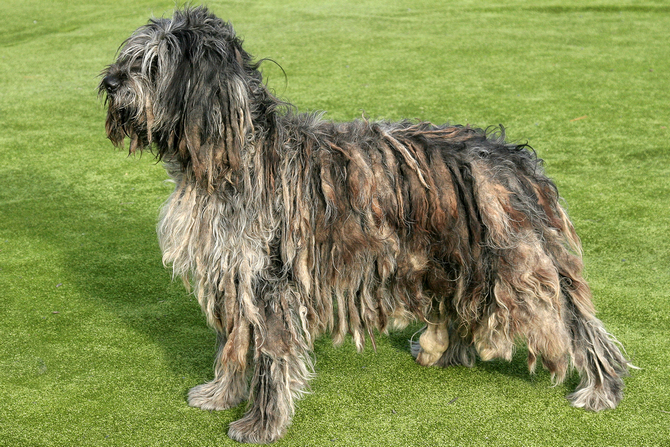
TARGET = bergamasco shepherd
x,y
288,226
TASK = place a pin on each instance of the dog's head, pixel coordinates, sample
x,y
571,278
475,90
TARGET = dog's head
x,y
185,86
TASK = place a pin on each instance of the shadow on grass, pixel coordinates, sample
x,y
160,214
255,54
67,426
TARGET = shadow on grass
x,y
100,241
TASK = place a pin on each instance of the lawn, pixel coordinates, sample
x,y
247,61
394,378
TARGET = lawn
x,y
99,348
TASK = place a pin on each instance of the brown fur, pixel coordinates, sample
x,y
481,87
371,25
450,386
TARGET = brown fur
x,y
288,226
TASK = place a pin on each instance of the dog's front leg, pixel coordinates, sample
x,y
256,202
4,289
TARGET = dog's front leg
x,y
229,386
282,370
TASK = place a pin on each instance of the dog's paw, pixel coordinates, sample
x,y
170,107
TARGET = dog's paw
x,y
255,430
213,396
432,344
598,398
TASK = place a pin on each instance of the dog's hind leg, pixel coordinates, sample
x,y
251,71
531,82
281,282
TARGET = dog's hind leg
x,y
460,352
526,305
540,296
441,343
229,386
282,371
434,340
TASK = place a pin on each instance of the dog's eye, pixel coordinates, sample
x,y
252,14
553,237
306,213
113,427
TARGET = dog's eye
x,y
136,66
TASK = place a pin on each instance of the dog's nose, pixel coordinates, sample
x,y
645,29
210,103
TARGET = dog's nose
x,y
111,83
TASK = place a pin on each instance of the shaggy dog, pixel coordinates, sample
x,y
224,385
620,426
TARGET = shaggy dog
x,y
288,226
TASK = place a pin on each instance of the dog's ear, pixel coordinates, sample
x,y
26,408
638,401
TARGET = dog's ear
x,y
206,103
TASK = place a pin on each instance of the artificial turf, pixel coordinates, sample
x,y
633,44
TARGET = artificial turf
x,y
98,347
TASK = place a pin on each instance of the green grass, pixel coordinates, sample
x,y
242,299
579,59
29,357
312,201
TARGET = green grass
x,y
99,348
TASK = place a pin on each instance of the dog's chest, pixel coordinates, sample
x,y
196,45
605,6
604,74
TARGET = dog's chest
x,y
212,235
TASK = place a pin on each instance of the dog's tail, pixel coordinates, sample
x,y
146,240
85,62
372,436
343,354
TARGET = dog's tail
x,y
595,353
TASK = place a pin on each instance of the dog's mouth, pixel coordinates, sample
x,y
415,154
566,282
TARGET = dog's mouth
x,y
121,125
138,141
